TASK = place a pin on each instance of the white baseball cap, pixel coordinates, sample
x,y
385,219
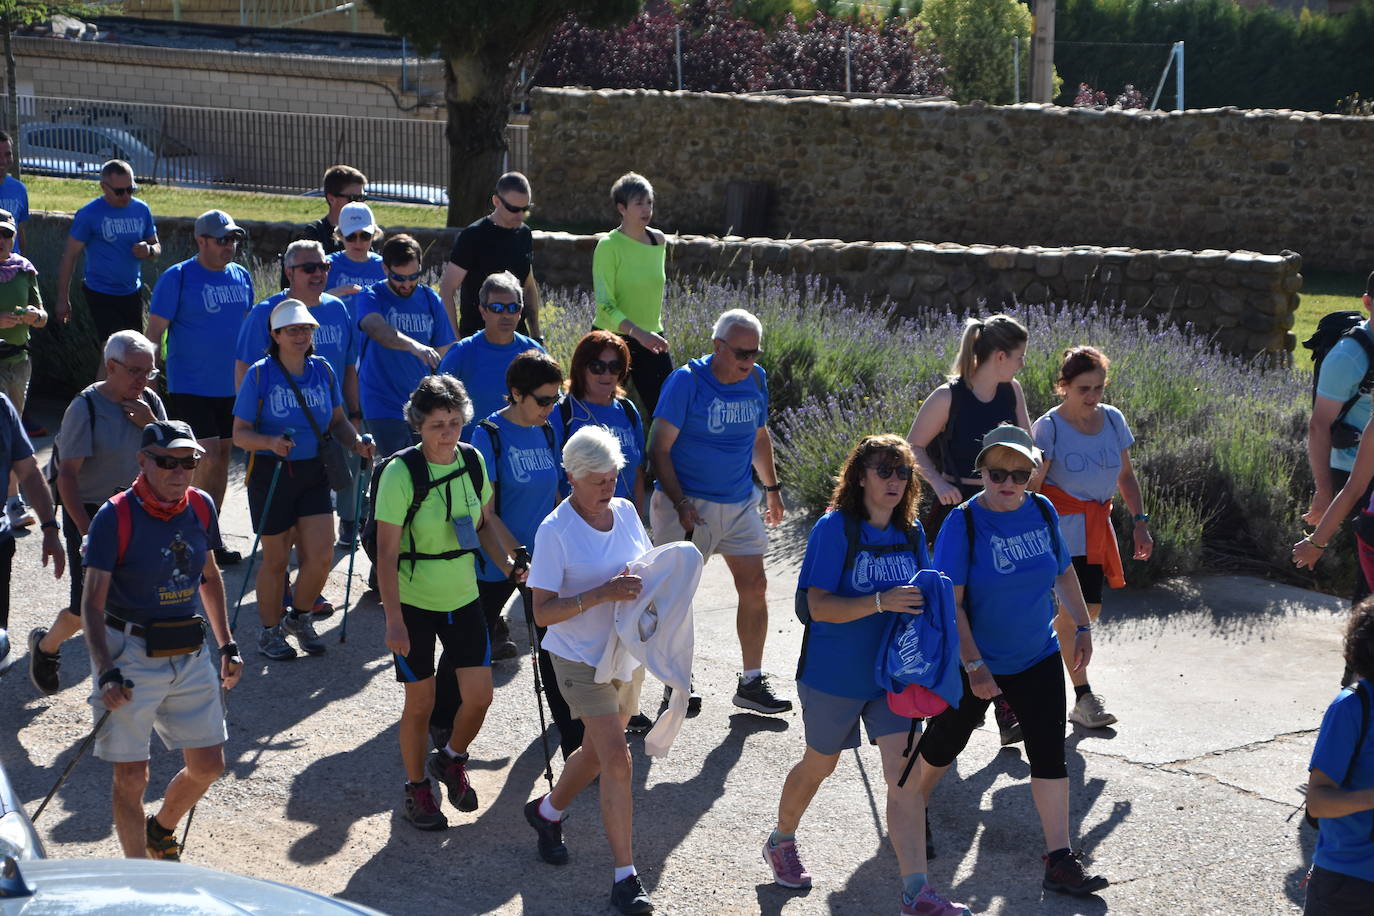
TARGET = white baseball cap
x,y
356,217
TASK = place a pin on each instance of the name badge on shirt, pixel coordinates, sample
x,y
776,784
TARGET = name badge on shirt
x,y
466,532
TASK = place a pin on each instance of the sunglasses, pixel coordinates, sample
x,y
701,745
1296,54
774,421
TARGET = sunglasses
x,y
314,267
226,241
885,471
1000,475
601,367
503,308
404,278
543,400
511,208
171,462
129,189
149,374
352,198
6,233
358,237
746,354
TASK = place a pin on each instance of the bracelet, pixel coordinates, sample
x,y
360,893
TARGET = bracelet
x,y
1309,540
578,599
878,602
229,650
1085,628
1141,517
113,676
51,523
774,488
681,502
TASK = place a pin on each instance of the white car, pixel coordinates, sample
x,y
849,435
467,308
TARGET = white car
x,y
76,150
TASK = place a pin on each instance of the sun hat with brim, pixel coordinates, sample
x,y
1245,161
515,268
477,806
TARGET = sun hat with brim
x,y
292,311
1012,437
170,434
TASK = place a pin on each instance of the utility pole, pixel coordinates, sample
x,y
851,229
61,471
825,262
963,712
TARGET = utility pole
x,y
1042,51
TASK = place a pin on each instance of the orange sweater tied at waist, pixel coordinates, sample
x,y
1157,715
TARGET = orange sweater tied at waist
x,y
1097,524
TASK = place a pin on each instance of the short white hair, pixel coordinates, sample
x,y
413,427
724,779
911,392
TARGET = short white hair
x,y
736,318
121,343
592,450
289,259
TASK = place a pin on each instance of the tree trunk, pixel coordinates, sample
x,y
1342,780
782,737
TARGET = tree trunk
x,y
11,92
477,92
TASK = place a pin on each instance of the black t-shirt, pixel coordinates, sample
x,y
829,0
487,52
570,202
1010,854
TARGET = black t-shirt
x,y
482,249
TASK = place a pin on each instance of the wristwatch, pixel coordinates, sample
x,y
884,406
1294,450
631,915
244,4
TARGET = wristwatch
x,y
51,523
774,488
1141,517
973,665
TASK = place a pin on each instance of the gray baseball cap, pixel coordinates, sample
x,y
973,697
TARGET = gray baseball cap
x,y
1012,437
217,224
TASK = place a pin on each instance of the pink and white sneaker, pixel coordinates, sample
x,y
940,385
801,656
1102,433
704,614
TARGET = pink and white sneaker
x,y
786,864
929,903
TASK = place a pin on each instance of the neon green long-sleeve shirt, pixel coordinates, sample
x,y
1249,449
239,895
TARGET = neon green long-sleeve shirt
x,y
629,278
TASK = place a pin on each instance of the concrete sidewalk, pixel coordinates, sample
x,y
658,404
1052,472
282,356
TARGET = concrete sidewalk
x,y
1219,684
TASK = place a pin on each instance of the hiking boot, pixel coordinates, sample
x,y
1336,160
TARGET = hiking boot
x,y
502,647
225,557
929,903
42,666
272,643
638,724
161,844
786,864
1007,725
452,773
19,515
551,848
1067,876
302,627
321,609
629,897
348,535
1091,712
422,808
758,695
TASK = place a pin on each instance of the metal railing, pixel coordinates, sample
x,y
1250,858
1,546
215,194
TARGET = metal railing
x,y
280,14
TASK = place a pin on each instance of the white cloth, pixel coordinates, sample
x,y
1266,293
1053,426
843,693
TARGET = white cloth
x,y
571,557
656,630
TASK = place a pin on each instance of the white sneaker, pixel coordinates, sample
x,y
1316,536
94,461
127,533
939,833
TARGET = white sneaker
x,y
19,515
1091,712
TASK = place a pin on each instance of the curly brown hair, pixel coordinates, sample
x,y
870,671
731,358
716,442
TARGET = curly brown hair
x,y
588,349
885,448
1359,639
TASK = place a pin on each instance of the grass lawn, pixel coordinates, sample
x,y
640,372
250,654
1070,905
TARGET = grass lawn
x,y
1323,291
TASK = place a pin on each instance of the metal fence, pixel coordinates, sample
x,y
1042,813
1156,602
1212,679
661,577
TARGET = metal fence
x,y
238,149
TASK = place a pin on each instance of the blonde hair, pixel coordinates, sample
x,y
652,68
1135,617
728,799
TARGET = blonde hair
x,y
982,338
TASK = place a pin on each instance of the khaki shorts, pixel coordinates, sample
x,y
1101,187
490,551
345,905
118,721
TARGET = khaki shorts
x,y
587,698
178,696
729,529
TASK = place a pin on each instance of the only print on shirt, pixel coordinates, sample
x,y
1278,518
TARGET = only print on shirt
x,y
528,474
109,234
265,381
713,454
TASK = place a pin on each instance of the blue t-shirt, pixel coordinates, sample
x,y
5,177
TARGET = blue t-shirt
x,y
336,339
839,656
160,576
1009,585
1344,843
204,309
387,377
343,270
621,419
14,197
481,366
1085,467
528,474
14,446
265,381
1339,379
109,234
713,454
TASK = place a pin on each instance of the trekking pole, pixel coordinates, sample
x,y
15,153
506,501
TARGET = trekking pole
x,y
80,752
361,485
257,536
528,600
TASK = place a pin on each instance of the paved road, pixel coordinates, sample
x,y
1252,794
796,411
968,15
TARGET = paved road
x,y
1219,684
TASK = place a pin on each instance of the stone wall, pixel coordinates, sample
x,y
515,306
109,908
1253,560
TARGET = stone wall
x,y
1245,299
1015,175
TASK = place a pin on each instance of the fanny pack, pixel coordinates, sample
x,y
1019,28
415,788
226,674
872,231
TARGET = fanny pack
x,y
181,636
8,349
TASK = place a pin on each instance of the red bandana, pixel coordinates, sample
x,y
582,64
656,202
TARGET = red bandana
x,y
156,507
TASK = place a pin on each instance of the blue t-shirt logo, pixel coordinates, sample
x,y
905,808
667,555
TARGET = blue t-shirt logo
x,y
523,461
183,580
1007,551
329,336
722,414
871,572
216,297
281,402
410,323
113,227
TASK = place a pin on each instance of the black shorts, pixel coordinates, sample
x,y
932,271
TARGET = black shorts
x,y
75,570
1333,893
210,418
1090,579
463,634
110,313
302,491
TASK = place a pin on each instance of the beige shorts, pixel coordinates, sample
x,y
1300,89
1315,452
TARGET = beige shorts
x,y
178,696
729,529
587,698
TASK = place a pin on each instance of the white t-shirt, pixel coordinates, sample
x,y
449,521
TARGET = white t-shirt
x,y
571,557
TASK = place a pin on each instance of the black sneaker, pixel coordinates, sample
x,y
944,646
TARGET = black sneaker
x,y
452,773
225,557
638,724
422,808
161,844
1067,876
502,646
628,896
42,666
758,695
693,700
1007,726
551,848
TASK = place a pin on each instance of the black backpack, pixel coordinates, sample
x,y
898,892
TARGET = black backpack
x,y
1333,328
915,545
54,465
1360,692
495,433
421,484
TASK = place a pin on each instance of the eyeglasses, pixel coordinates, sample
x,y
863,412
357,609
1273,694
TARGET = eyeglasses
x,y
117,191
503,308
314,267
171,462
404,278
544,400
746,354
600,367
358,237
297,330
6,233
148,374
511,208
1000,475
885,471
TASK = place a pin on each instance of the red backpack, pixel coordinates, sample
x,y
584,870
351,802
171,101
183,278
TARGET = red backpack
x,y
124,515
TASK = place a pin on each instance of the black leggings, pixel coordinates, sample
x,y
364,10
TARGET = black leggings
x,y
648,370
6,566
447,697
72,535
1036,696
